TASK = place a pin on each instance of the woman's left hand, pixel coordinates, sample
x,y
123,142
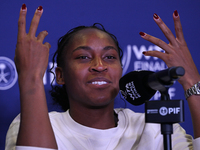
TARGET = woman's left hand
x,y
176,52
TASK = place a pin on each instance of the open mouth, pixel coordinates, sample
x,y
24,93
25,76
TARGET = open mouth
x,y
99,82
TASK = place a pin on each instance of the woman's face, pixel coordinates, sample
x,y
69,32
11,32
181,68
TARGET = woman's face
x,y
91,69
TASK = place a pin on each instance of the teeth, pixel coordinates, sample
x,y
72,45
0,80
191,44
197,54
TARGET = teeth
x,y
99,82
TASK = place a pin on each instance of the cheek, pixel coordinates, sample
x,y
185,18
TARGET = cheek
x,y
71,82
117,74
73,75
119,70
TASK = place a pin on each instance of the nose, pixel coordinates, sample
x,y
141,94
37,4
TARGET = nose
x,y
98,65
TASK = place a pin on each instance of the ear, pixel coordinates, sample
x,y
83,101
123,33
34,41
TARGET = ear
x,y
59,76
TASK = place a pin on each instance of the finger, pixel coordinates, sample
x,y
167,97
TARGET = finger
x,y
156,41
158,54
178,27
167,32
47,45
35,21
41,36
22,22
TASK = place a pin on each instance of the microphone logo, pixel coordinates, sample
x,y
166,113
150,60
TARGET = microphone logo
x,y
131,91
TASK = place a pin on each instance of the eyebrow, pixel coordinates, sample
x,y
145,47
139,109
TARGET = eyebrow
x,y
89,48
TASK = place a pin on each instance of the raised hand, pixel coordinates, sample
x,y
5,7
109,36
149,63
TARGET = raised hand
x,y
31,59
31,55
176,52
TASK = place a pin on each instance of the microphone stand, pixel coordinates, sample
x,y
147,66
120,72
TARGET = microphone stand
x,y
166,128
166,111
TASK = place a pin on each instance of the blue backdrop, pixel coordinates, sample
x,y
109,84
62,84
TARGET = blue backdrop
x,y
123,18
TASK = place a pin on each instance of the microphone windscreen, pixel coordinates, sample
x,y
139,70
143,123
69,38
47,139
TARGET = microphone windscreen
x,y
134,87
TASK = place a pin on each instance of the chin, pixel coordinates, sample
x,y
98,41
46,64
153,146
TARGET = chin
x,y
102,106
102,102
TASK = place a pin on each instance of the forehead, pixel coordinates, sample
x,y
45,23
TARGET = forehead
x,y
91,33
89,37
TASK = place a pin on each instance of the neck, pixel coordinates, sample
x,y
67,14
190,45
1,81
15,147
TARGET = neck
x,y
99,118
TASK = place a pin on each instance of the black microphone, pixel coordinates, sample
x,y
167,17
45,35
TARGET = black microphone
x,y
139,86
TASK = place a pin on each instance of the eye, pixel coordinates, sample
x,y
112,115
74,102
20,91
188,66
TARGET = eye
x,y
110,57
82,57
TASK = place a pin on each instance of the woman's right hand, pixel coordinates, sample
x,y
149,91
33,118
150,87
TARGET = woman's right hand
x,y
31,55
31,59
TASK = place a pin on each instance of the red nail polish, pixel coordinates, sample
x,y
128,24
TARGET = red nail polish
x,y
144,52
23,6
155,16
176,13
142,33
40,8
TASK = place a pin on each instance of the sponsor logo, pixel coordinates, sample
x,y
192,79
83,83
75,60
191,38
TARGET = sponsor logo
x,y
8,73
164,111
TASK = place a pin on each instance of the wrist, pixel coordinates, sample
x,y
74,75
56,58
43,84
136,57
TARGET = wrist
x,y
29,81
194,90
29,77
188,81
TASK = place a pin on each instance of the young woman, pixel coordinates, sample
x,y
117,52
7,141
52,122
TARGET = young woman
x,y
89,69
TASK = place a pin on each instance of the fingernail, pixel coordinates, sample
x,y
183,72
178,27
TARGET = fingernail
x,y
46,31
23,6
176,13
142,33
144,52
40,8
155,16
